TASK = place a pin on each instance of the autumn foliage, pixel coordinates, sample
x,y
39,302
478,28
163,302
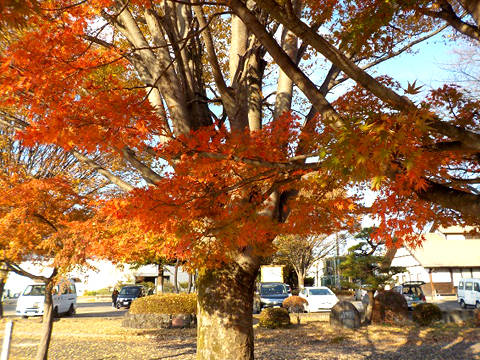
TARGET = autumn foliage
x,y
216,181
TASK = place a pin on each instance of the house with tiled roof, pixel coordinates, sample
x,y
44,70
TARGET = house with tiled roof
x,y
446,256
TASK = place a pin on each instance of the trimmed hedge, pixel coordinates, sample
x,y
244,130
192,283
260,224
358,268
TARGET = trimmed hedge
x,y
425,314
165,304
274,318
344,292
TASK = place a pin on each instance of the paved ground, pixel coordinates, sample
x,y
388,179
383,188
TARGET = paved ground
x,y
86,307
96,333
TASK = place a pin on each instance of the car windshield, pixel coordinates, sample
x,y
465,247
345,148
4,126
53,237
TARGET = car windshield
x,y
321,292
129,291
34,290
273,289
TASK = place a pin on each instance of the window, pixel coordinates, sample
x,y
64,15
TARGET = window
x,y
460,286
476,287
468,286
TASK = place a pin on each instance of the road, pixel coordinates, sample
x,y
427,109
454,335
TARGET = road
x,y
86,307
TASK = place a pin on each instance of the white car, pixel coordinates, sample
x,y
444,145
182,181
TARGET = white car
x,y
319,298
31,301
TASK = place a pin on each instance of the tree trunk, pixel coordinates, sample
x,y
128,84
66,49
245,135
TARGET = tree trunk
x,y
160,279
301,280
2,287
42,351
225,307
190,283
370,307
175,276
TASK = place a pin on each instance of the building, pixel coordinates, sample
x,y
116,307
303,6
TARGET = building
x,y
106,275
446,256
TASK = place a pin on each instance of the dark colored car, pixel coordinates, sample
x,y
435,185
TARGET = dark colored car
x,y
269,294
129,293
413,293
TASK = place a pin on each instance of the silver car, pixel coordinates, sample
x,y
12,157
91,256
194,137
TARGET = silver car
x,y
413,293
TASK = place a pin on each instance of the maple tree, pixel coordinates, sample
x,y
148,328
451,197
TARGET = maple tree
x,y
41,213
213,169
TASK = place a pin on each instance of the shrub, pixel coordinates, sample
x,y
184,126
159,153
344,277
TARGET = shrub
x,y
390,308
165,304
274,318
425,314
295,304
344,292
476,318
104,291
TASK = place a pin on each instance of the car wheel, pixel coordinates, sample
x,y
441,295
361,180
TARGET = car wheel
x,y
24,317
71,310
118,306
55,312
477,305
307,309
462,304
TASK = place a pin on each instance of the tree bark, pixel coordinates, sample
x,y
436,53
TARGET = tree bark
x,y
370,307
190,283
225,307
2,287
42,350
160,279
175,276
301,280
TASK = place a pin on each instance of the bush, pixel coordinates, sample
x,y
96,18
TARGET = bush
x,y
165,304
425,314
476,318
294,303
390,308
104,291
274,318
344,292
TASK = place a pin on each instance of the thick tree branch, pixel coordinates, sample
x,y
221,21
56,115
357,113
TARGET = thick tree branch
x,y
319,43
288,65
102,171
466,203
448,14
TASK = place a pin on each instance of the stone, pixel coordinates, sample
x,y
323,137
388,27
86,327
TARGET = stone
x,y
345,315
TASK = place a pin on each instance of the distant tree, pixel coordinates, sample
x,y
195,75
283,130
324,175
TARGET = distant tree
x,y
365,263
301,252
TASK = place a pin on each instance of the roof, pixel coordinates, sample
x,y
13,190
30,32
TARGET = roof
x,y
437,251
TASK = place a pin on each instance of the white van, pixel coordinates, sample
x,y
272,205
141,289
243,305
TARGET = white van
x,y
468,292
64,296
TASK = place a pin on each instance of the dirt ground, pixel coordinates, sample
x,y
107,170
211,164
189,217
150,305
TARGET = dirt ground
x,y
104,338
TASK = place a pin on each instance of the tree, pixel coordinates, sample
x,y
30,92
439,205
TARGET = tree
x,y
40,213
302,252
365,264
214,168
